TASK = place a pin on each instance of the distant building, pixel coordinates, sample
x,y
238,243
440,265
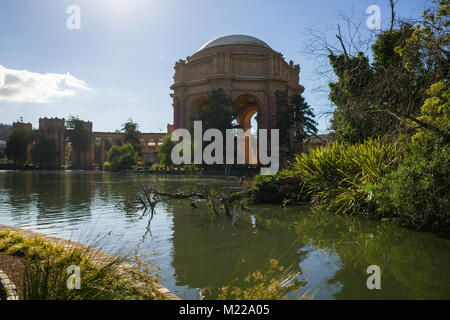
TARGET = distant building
x,y
2,144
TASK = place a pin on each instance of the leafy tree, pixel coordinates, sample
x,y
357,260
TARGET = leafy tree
x,y
78,134
295,121
17,145
165,152
217,114
385,97
43,152
121,158
303,121
131,134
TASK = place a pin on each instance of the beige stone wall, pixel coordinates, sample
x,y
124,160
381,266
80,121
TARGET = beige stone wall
x,y
238,69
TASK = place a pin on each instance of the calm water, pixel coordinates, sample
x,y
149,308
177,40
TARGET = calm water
x,y
196,250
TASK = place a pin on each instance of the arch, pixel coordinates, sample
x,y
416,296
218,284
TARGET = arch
x,y
249,105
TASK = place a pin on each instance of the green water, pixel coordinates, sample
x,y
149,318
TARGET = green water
x,y
195,249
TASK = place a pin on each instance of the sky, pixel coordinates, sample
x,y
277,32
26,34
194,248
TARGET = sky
x,y
119,63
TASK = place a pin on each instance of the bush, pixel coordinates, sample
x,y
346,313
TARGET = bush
x,y
416,193
284,187
122,158
337,176
45,273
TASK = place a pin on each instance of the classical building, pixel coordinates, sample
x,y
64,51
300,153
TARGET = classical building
x,y
246,68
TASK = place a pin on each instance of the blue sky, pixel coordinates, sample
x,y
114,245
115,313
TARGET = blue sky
x,y
119,65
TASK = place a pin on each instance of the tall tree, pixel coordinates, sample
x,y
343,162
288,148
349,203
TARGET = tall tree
x,y
131,134
77,133
217,114
303,122
43,152
17,145
295,122
384,97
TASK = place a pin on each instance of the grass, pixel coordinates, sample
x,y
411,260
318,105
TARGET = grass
x,y
45,276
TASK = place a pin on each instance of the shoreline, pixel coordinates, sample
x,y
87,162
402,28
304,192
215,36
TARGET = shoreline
x,y
101,256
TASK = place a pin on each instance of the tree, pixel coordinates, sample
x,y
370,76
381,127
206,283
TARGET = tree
x,y
43,152
303,121
385,97
217,114
17,145
165,152
121,158
78,134
131,134
295,121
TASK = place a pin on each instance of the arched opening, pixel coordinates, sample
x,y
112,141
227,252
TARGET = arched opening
x,y
193,110
248,105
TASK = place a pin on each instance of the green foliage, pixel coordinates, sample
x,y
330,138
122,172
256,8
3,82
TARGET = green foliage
x,y
17,144
436,108
165,152
78,134
281,188
426,51
294,118
131,134
216,113
384,98
43,152
337,176
121,158
45,275
416,193
272,283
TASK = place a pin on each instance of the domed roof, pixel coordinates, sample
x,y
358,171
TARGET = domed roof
x,y
234,39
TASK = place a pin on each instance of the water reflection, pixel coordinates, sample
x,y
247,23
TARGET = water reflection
x,y
196,249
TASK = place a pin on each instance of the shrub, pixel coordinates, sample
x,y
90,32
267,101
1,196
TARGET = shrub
x,y
284,187
45,272
337,176
417,191
122,158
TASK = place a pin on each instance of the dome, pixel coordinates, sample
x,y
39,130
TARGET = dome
x,y
233,40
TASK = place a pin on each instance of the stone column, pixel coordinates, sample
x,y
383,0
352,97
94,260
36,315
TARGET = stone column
x,y
270,111
102,151
176,111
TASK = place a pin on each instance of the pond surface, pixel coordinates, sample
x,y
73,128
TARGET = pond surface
x,y
195,249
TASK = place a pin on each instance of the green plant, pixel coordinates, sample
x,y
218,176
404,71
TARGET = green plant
x,y
416,193
165,152
45,274
281,188
121,158
337,176
272,283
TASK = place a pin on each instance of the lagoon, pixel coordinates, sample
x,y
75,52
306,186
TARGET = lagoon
x,y
194,249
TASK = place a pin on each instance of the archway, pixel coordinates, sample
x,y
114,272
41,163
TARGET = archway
x,y
193,110
248,105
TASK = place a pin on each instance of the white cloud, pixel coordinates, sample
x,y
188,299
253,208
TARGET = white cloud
x,y
26,86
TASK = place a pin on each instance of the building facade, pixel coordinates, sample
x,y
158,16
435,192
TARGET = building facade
x,y
246,68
